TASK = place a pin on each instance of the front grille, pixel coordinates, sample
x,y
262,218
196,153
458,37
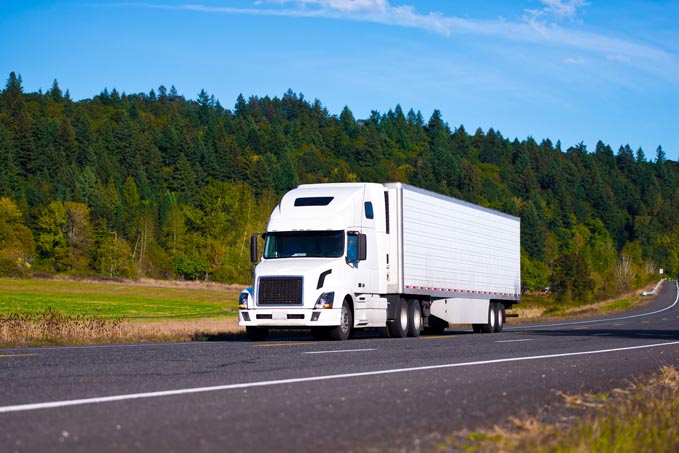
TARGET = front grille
x,y
280,291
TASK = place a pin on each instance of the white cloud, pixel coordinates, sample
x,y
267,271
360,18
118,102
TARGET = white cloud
x,y
538,28
350,6
574,61
557,10
618,58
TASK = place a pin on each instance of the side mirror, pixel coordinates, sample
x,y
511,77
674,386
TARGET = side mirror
x,y
254,255
362,247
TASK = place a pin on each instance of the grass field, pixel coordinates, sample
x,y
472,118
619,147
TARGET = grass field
x,y
127,301
65,312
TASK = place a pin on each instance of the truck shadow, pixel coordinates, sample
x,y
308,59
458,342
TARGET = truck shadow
x,y
297,335
291,335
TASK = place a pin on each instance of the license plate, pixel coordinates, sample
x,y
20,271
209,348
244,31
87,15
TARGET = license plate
x,y
279,316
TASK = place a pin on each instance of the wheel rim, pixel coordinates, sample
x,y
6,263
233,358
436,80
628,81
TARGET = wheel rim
x,y
499,320
417,318
491,319
404,317
345,318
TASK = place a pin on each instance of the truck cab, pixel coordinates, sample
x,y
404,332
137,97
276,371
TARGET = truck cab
x,y
323,262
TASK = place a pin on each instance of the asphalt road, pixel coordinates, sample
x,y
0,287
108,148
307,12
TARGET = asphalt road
x,y
296,394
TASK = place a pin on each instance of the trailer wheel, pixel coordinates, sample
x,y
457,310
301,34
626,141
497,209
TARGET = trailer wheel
x,y
489,327
343,331
414,318
500,317
256,333
399,328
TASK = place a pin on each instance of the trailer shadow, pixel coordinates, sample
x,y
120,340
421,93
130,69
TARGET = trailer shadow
x,y
297,335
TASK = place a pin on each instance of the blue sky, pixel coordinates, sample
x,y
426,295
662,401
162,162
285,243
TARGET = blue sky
x,y
569,70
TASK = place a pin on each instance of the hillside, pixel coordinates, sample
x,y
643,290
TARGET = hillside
x,y
154,184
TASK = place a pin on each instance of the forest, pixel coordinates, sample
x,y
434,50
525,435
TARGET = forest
x,y
158,185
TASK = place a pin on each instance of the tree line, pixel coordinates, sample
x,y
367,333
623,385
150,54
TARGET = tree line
x,y
154,184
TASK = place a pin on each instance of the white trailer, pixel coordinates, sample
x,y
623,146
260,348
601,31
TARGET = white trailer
x,y
340,257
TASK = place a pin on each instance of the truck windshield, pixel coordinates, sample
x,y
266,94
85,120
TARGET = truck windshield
x,y
317,244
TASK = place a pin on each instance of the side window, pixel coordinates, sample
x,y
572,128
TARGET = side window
x,y
369,213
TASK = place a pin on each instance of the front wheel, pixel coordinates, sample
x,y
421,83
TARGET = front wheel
x,y
343,331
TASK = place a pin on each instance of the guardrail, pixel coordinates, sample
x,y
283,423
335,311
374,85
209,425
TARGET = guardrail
x,y
652,293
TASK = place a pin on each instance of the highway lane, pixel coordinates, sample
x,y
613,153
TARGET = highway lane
x,y
294,393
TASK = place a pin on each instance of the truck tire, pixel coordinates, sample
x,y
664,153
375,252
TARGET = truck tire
x,y
256,333
489,327
414,318
399,328
343,331
500,317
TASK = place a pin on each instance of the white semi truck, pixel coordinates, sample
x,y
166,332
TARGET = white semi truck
x,y
402,260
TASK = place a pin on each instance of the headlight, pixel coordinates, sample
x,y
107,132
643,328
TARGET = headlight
x,y
325,300
243,299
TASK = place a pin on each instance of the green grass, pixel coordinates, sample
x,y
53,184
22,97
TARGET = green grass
x,y
115,301
619,305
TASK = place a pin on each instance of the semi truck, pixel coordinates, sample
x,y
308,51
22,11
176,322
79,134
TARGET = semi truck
x,y
392,257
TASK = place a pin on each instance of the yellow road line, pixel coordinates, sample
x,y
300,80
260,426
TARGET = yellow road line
x,y
580,328
276,345
437,337
619,324
3,356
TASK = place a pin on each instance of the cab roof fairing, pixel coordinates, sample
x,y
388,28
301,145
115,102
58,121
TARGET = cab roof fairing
x,y
343,212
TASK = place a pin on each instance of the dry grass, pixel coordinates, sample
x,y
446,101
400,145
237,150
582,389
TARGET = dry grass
x,y
640,418
182,330
52,328
21,332
547,312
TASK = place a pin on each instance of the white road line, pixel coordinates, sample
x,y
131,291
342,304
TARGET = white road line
x,y
109,399
342,350
514,341
574,323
